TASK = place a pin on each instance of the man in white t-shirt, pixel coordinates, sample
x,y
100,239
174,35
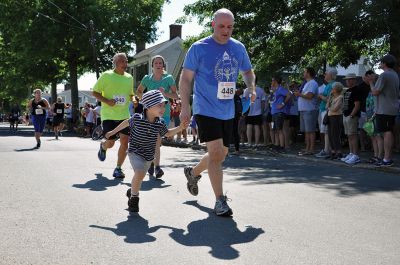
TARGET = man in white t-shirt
x,y
89,120
307,105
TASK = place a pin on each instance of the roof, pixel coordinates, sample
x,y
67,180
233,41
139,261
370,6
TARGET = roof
x,y
150,50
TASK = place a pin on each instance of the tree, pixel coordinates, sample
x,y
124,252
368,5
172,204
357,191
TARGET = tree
x,y
57,35
283,34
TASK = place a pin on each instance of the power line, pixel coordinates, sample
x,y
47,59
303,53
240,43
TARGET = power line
x,y
55,20
49,17
67,14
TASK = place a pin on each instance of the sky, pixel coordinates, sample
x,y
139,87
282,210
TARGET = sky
x,y
170,13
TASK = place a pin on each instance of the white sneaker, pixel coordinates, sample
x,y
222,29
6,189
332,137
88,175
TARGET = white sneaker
x,y
344,159
353,160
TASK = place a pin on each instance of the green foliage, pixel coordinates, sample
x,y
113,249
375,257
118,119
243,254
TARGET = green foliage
x,y
42,42
289,34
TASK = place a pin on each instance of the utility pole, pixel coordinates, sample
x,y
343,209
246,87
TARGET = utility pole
x,y
93,42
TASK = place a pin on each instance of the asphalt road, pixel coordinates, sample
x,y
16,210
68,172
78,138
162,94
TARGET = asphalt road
x,y
60,205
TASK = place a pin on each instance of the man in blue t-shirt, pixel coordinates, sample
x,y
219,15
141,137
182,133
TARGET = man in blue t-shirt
x,y
214,63
279,111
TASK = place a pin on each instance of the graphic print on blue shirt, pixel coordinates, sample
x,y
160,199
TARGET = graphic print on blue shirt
x,y
214,63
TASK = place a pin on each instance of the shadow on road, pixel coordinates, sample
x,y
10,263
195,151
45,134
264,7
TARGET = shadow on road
x,y
215,232
100,183
26,149
135,229
266,169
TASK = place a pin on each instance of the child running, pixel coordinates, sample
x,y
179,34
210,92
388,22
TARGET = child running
x,y
144,129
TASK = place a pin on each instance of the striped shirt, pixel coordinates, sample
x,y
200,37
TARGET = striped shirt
x,y
143,135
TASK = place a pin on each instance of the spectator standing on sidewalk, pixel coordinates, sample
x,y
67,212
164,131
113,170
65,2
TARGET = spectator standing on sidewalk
x,y
364,90
307,105
386,91
330,77
254,118
334,107
351,114
278,111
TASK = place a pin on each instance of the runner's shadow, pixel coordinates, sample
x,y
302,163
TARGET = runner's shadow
x,y
215,232
135,229
26,149
100,183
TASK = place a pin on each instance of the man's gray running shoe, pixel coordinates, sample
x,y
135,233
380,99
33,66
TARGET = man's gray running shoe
x,y
221,207
192,181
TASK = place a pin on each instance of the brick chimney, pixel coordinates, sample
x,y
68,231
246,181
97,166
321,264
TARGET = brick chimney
x,y
175,31
140,46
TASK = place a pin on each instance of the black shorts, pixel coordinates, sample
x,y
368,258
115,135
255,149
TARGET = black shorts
x,y
211,129
384,123
254,120
109,125
57,120
278,119
294,121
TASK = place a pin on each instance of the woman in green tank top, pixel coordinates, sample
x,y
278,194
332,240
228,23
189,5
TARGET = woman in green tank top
x,y
160,80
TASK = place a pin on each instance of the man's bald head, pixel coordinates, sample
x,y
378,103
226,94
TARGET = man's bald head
x,y
223,12
223,25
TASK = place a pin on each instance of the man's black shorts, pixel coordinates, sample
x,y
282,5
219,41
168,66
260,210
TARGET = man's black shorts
x,y
211,129
384,123
254,120
278,119
109,125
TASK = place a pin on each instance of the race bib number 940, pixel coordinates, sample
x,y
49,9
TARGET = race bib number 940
x,y
226,90
119,100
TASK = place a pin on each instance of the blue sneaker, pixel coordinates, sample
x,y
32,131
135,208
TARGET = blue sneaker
x,y
101,154
118,173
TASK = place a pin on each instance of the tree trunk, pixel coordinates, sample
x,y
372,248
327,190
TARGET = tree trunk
x,y
53,91
73,79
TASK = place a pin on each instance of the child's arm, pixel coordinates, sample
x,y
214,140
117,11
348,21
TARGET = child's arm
x,y
173,131
120,127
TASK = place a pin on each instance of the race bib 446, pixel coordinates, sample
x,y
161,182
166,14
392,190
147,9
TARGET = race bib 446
x,y
226,90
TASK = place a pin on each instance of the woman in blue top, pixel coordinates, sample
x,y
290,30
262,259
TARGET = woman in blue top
x,y
160,80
